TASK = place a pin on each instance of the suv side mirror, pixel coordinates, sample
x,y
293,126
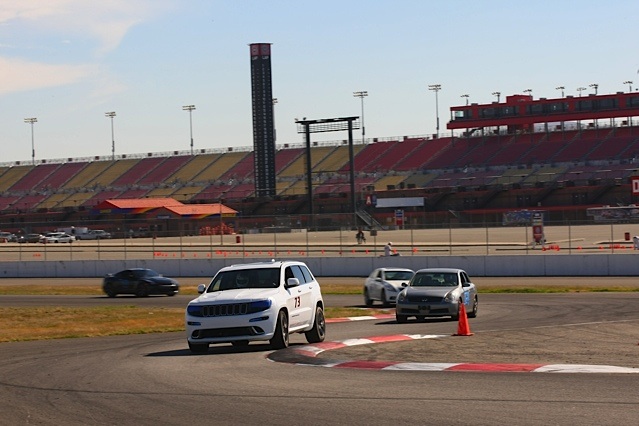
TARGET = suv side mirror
x,y
292,282
201,288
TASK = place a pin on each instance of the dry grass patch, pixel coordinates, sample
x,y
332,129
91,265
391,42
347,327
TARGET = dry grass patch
x,y
44,323
90,290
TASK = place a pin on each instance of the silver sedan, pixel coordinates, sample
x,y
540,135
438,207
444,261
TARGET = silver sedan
x,y
437,293
384,284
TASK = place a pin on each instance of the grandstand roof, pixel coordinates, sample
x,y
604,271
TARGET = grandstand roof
x,y
163,205
137,203
199,210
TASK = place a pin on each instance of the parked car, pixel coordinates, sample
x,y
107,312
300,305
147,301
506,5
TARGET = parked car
x,y
57,237
257,301
140,282
30,238
140,233
94,234
384,284
437,292
8,237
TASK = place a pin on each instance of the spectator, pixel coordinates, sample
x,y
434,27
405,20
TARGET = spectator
x,y
388,250
635,240
360,236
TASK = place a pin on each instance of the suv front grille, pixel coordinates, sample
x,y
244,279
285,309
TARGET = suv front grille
x,y
225,310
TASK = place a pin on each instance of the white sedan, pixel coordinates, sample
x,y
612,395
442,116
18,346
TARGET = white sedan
x,y
384,284
57,237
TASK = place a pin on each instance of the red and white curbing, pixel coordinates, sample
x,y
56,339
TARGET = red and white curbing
x,y
362,318
307,355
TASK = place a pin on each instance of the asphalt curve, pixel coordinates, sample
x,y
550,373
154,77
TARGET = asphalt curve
x,y
153,379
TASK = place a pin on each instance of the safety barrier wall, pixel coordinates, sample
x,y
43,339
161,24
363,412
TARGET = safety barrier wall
x,y
478,266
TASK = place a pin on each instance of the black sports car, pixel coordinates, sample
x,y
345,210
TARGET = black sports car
x,y
140,282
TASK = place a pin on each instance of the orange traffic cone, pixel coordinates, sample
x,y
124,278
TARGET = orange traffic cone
x,y
463,329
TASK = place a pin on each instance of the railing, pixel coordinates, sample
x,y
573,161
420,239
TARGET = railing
x,y
286,242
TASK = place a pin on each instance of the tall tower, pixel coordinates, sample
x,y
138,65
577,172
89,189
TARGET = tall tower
x,y
263,127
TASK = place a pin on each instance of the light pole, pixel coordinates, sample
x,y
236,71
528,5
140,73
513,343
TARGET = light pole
x,y
274,131
529,91
498,94
436,88
465,95
629,83
31,121
595,86
361,95
190,109
580,89
562,90
111,115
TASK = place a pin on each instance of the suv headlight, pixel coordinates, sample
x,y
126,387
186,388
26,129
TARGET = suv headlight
x,y
259,306
194,310
450,297
401,297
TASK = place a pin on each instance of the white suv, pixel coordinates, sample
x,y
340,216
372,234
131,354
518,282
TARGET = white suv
x,y
256,301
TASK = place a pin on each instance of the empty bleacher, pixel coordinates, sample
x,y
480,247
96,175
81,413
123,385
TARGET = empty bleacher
x,y
572,157
337,159
366,159
36,176
12,176
76,200
397,151
192,168
52,201
161,192
296,188
221,165
98,197
513,151
388,182
284,157
614,148
298,167
241,170
428,149
136,172
115,171
7,202
186,193
86,174
61,175
162,171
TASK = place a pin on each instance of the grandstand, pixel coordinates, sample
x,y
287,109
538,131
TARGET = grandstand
x,y
558,168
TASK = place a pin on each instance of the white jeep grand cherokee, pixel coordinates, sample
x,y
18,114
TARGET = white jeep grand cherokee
x,y
256,301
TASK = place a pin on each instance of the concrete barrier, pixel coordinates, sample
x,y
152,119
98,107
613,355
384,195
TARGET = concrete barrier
x,y
478,266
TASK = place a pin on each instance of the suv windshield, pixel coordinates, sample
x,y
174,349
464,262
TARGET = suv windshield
x,y
245,278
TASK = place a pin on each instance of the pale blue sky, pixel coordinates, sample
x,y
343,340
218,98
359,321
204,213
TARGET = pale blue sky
x,y
67,62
